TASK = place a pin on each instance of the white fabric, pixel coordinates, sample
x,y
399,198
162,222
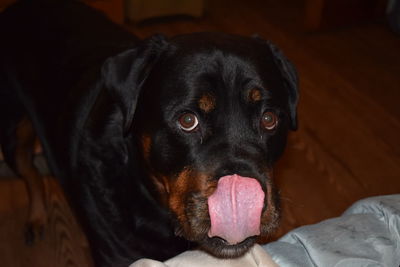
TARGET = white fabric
x,y
256,257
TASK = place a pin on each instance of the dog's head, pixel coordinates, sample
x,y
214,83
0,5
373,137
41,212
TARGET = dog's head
x,y
211,114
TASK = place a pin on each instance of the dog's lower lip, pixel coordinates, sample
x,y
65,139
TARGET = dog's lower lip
x,y
221,249
249,239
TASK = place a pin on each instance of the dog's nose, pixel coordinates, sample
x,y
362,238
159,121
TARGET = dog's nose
x,y
235,167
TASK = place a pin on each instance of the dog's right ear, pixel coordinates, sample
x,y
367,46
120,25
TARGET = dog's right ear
x,y
125,73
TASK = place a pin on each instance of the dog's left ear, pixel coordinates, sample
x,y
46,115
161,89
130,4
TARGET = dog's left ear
x,y
125,73
289,74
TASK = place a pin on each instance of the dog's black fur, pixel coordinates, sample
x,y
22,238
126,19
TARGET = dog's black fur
x,y
107,107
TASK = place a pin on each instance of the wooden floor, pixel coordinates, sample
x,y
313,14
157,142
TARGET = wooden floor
x,y
347,146
63,243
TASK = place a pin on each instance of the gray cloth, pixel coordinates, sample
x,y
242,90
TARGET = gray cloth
x,y
367,234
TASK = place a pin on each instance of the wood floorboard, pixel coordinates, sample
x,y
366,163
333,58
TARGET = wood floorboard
x,y
347,146
63,243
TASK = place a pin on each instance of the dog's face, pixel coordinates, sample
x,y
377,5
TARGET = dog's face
x,y
212,118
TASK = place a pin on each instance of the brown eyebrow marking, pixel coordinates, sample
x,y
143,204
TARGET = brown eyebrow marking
x,y
207,102
254,95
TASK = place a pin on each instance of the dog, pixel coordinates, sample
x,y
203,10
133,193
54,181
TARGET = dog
x,y
160,145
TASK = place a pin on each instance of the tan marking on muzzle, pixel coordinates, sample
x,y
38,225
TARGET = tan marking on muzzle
x,y
180,202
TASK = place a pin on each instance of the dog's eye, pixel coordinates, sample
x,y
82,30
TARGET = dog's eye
x,y
188,122
269,120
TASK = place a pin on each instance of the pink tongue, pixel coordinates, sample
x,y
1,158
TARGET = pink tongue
x,y
235,208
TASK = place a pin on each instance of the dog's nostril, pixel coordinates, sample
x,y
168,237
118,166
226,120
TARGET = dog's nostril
x,y
238,167
233,171
222,173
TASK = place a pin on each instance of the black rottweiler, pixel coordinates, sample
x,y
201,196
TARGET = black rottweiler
x,y
161,144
